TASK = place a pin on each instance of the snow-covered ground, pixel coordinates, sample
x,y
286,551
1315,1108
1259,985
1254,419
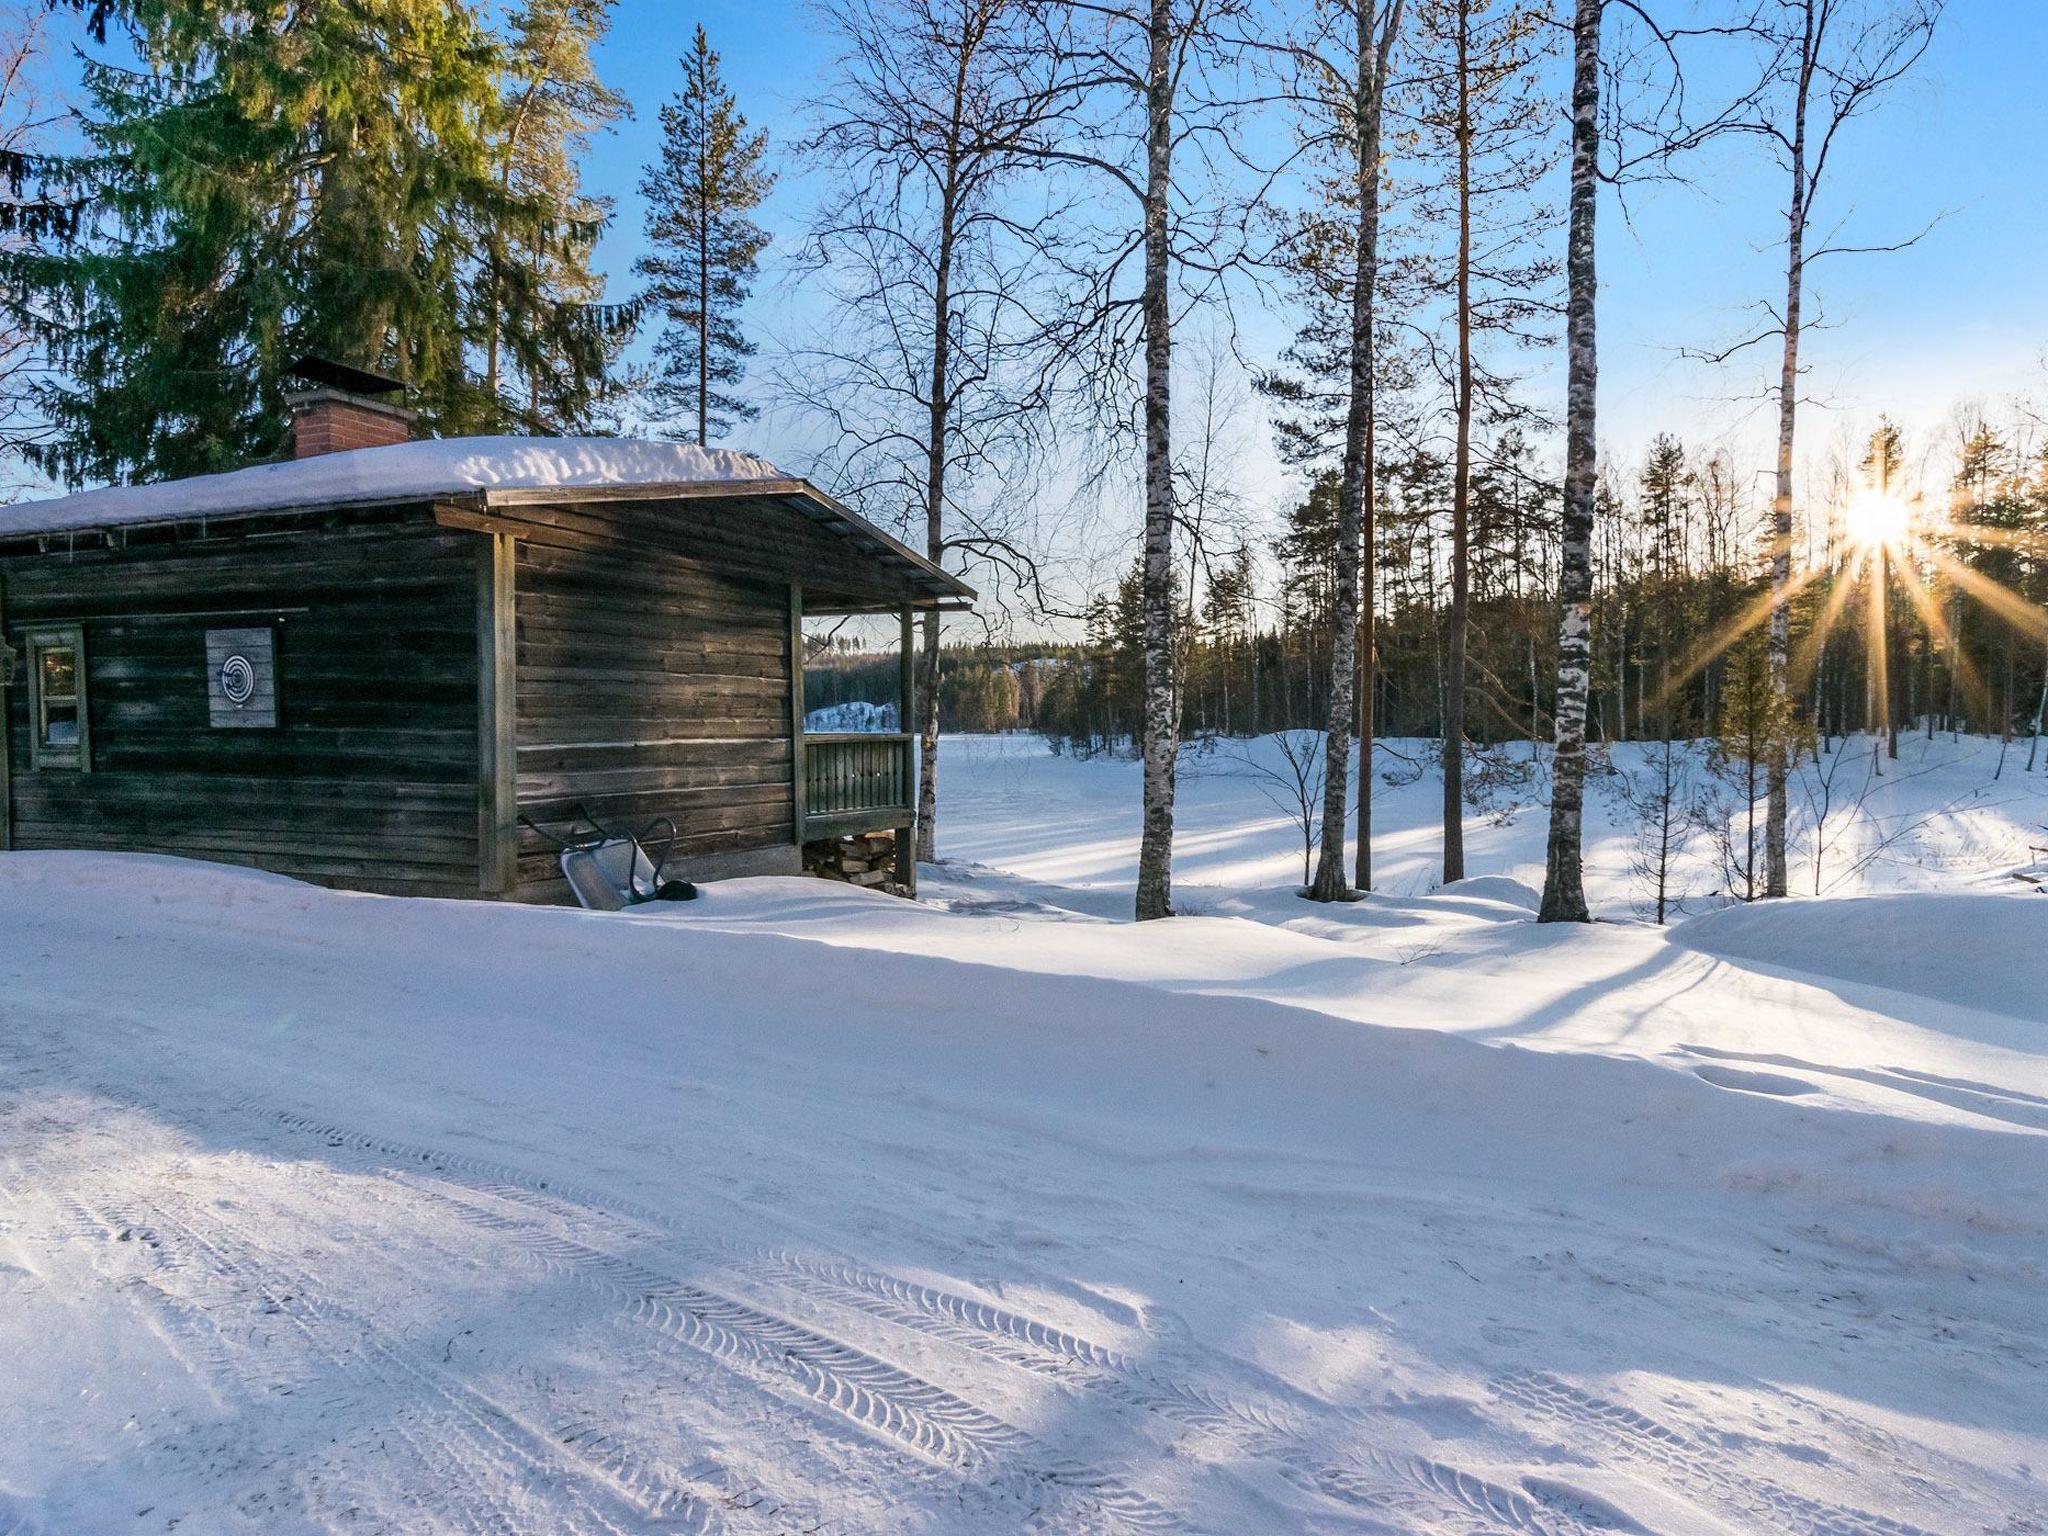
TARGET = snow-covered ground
x,y
803,1208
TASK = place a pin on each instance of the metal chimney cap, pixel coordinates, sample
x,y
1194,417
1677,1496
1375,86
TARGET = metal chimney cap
x,y
355,381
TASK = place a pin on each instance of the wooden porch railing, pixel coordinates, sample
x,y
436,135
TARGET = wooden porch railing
x,y
856,783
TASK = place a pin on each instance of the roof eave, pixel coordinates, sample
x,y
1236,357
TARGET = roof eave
x,y
950,588
944,590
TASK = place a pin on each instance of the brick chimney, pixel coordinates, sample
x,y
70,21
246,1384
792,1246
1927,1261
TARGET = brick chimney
x,y
342,411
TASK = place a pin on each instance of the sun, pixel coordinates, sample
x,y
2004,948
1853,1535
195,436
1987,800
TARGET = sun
x,y
1879,520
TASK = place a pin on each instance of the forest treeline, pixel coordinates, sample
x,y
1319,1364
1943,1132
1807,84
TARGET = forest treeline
x,y
1679,579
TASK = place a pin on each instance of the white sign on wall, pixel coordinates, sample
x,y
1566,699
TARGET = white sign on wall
x,y
241,678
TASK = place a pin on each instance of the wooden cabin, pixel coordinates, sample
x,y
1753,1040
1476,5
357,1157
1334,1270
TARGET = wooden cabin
x,y
373,665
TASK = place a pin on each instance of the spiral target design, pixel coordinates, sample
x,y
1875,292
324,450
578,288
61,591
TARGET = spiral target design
x,y
237,680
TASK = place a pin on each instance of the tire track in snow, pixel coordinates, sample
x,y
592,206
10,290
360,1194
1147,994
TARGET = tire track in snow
x,y
705,1498
881,1398
876,1395
667,1496
1384,1482
1380,1480
1434,1492
1697,1466
190,1331
460,1433
194,1330
441,1439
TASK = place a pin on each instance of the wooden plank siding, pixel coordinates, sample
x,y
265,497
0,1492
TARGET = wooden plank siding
x,y
369,779
752,539
650,683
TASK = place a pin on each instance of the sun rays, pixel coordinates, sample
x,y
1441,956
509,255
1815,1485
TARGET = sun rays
x,y
1885,558
1877,519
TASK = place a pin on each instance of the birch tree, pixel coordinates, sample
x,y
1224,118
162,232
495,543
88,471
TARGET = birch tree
x,y
1564,889
1351,80
1134,103
925,127
1480,116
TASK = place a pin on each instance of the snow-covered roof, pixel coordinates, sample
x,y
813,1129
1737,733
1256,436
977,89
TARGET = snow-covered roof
x,y
402,472
486,471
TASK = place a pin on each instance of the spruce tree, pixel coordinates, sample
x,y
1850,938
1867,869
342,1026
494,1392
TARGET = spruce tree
x,y
31,211
700,193
272,180
549,340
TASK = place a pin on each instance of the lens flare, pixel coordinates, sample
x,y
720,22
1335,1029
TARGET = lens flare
x,y
1878,520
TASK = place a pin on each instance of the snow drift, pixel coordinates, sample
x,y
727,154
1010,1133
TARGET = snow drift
x,y
1988,952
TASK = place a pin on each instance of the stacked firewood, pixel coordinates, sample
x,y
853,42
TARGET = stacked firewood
x,y
867,858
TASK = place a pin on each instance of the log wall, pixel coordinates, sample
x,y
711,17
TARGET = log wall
x,y
369,778
650,683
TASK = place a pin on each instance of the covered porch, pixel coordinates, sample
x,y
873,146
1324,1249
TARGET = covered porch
x,y
849,784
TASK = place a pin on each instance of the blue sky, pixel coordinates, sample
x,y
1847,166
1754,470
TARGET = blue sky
x,y
1962,315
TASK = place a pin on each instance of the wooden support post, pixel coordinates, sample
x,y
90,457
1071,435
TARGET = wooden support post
x,y
797,762
497,743
906,726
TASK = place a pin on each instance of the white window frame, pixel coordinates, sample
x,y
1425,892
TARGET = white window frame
x,y
42,754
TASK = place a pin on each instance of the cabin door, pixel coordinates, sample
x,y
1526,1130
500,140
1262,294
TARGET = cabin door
x,y
9,660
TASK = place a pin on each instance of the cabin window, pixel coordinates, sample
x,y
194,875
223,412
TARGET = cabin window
x,y
62,731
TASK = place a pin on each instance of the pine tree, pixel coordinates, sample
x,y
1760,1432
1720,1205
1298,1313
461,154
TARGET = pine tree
x,y
1309,550
1663,483
1227,624
273,180
1337,258
710,177
1883,461
1481,117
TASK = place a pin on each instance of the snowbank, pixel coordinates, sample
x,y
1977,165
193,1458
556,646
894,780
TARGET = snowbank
x,y
1981,951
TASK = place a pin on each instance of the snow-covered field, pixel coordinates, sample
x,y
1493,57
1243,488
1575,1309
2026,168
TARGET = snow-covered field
x,y
804,1208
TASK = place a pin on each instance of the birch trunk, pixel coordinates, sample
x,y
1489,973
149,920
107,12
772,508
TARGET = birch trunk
x,y
1461,486
1351,630
1564,893
1161,731
1778,807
